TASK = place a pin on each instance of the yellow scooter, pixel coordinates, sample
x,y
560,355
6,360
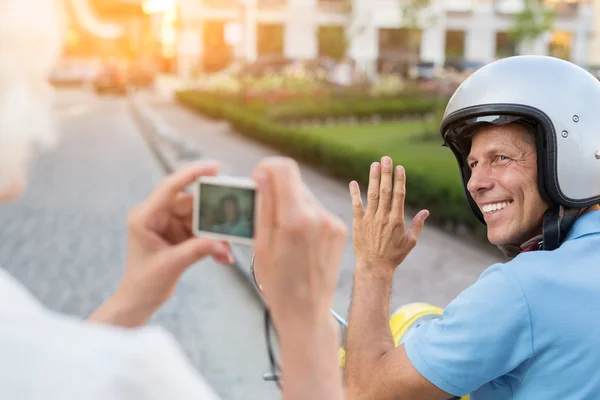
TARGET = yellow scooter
x,y
402,323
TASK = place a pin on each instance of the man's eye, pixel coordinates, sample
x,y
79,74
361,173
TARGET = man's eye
x,y
473,164
502,158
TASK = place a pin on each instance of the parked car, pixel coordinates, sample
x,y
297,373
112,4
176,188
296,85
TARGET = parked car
x,y
595,70
422,71
111,79
140,77
460,65
73,72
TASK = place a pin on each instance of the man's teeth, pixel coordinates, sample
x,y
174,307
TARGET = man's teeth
x,y
490,208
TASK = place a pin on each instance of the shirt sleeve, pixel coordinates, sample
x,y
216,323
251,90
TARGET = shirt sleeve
x,y
483,334
155,367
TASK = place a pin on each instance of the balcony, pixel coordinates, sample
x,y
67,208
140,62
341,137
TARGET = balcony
x,y
272,4
562,8
335,6
459,6
565,8
221,4
508,6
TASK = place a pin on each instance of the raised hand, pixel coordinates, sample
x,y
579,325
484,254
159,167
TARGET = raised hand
x,y
381,241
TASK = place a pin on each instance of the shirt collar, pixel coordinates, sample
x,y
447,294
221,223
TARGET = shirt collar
x,y
588,223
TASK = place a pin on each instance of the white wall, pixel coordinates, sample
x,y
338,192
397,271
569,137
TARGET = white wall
x,y
364,46
433,41
594,47
480,37
385,13
301,40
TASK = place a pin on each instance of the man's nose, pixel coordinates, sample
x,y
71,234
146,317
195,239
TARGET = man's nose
x,y
480,181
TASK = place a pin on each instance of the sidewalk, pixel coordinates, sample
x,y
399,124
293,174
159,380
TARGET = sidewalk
x,y
436,271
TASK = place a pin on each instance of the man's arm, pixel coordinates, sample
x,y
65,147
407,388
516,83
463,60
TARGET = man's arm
x,y
374,367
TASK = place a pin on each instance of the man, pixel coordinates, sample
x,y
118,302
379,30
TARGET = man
x,y
235,223
526,134
112,355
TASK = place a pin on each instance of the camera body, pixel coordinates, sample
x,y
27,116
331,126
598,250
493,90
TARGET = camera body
x,y
225,208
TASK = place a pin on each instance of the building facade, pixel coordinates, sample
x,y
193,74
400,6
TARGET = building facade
x,y
471,30
595,41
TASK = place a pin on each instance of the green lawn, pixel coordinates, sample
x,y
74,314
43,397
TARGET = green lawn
x,y
402,142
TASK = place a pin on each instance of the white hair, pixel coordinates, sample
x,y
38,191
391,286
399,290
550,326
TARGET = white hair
x,y
31,34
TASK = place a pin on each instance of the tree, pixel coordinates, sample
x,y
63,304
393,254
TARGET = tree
x,y
414,18
413,21
535,18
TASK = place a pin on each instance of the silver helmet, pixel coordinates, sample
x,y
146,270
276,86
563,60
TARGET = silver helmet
x,y
557,100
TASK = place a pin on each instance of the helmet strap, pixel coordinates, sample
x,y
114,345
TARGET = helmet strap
x,y
557,224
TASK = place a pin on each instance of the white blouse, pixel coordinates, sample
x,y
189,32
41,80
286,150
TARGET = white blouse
x,y
48,356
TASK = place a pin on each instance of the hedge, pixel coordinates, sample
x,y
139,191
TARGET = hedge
x,y
445,201
413,107
298,109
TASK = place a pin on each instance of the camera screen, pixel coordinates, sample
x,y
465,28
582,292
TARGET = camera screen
x,y
226,210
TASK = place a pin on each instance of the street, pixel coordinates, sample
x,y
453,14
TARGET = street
x,y
65,240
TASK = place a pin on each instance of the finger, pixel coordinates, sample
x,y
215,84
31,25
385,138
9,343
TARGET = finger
x,y
176,182
331,242
309,196
337,241
373,189
183,255
385,186
188,223
416,226
285,179
265,215
176,231
183,205
399,192
357,203
226,259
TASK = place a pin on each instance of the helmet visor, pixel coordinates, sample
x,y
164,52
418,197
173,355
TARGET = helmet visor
x,y
459,134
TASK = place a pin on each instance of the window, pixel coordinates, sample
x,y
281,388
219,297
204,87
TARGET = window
x,y
561,44
398,49
332,42
269,40
217,53
455,44
506,46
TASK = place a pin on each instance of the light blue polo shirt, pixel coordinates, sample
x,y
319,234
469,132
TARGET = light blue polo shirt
x,y
527,329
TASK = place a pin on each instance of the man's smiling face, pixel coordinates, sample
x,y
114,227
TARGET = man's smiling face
x,y
504,184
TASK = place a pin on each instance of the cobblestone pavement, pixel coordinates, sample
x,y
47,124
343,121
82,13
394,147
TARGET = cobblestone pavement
x,y
436,271
65,240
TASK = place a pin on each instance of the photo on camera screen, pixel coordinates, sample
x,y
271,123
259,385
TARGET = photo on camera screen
x,y
225,210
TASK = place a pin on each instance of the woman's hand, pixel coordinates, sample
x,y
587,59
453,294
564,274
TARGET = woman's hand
x,y
381,242
298,252
161,247
298,246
